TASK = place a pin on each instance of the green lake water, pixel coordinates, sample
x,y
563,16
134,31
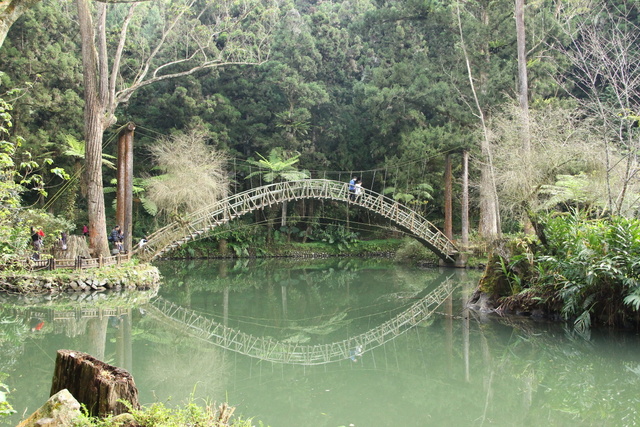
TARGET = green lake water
x,y
446,366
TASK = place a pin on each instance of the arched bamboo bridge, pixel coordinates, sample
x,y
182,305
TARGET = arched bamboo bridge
x,y
296,354
205,219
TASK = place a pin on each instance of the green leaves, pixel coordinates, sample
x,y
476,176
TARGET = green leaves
x,y
596,263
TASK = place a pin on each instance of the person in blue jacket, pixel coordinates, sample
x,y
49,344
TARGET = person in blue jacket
x,y
352,188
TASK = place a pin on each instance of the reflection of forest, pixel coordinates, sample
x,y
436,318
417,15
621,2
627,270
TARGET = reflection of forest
x,y
298,339
82,316
295,299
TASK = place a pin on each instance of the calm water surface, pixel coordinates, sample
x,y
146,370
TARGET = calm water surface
x,y
453,368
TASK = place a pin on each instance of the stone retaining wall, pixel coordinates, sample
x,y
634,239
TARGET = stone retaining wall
x,y
124,278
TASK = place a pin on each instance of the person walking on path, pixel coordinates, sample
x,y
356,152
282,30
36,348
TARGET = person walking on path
x,y
36,242
63,240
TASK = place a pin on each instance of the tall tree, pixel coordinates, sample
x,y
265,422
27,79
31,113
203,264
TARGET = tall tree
x,y
523,80
153,42
490,223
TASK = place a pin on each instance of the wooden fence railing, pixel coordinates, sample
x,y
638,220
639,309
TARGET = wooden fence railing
x,y
79,263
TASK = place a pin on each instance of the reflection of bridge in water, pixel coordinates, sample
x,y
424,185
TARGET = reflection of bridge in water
x,y
272,350
201,222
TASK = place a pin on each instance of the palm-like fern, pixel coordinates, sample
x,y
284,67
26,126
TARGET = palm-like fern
x,y
277,168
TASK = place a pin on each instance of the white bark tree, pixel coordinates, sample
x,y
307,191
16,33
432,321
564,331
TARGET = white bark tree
x,y
151,42
490,223
604,49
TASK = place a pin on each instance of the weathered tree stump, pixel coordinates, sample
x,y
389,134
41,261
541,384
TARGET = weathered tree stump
x,y
93,383
76,246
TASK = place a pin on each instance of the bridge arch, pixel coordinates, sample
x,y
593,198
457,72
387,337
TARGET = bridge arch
x,y
199,223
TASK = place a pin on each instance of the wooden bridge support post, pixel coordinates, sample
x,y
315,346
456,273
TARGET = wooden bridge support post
x,y
124,191
448,198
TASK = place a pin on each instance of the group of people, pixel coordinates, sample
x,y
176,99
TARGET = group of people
x,y
37,241
117,238
355,188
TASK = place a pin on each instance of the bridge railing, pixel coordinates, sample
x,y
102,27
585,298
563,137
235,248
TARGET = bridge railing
x,y
204,219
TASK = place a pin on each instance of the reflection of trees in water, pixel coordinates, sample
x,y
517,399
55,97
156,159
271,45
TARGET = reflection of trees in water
x,y
246,274
292,293
13,333
181,365
545,371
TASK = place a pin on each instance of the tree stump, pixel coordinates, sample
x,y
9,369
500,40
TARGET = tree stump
x,y
76,246
93,383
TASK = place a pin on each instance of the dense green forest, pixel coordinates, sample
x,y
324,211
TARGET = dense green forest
x,y
540,97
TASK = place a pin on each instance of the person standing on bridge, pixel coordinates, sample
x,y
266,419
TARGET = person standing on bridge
x,y
352,188
358,191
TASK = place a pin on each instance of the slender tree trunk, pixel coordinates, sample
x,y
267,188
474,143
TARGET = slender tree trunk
x,y
283,220
489,225
309,214
523,95
465,199
523,80
124,194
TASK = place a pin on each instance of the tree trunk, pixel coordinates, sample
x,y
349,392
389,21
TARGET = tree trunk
x,y
93,383
489,210
76,247
523,84
448,198
283,221
94,129
489,220
465,199
124,193
309,214
523,94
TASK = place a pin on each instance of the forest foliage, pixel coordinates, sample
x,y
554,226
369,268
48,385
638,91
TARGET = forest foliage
x,y
386,90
